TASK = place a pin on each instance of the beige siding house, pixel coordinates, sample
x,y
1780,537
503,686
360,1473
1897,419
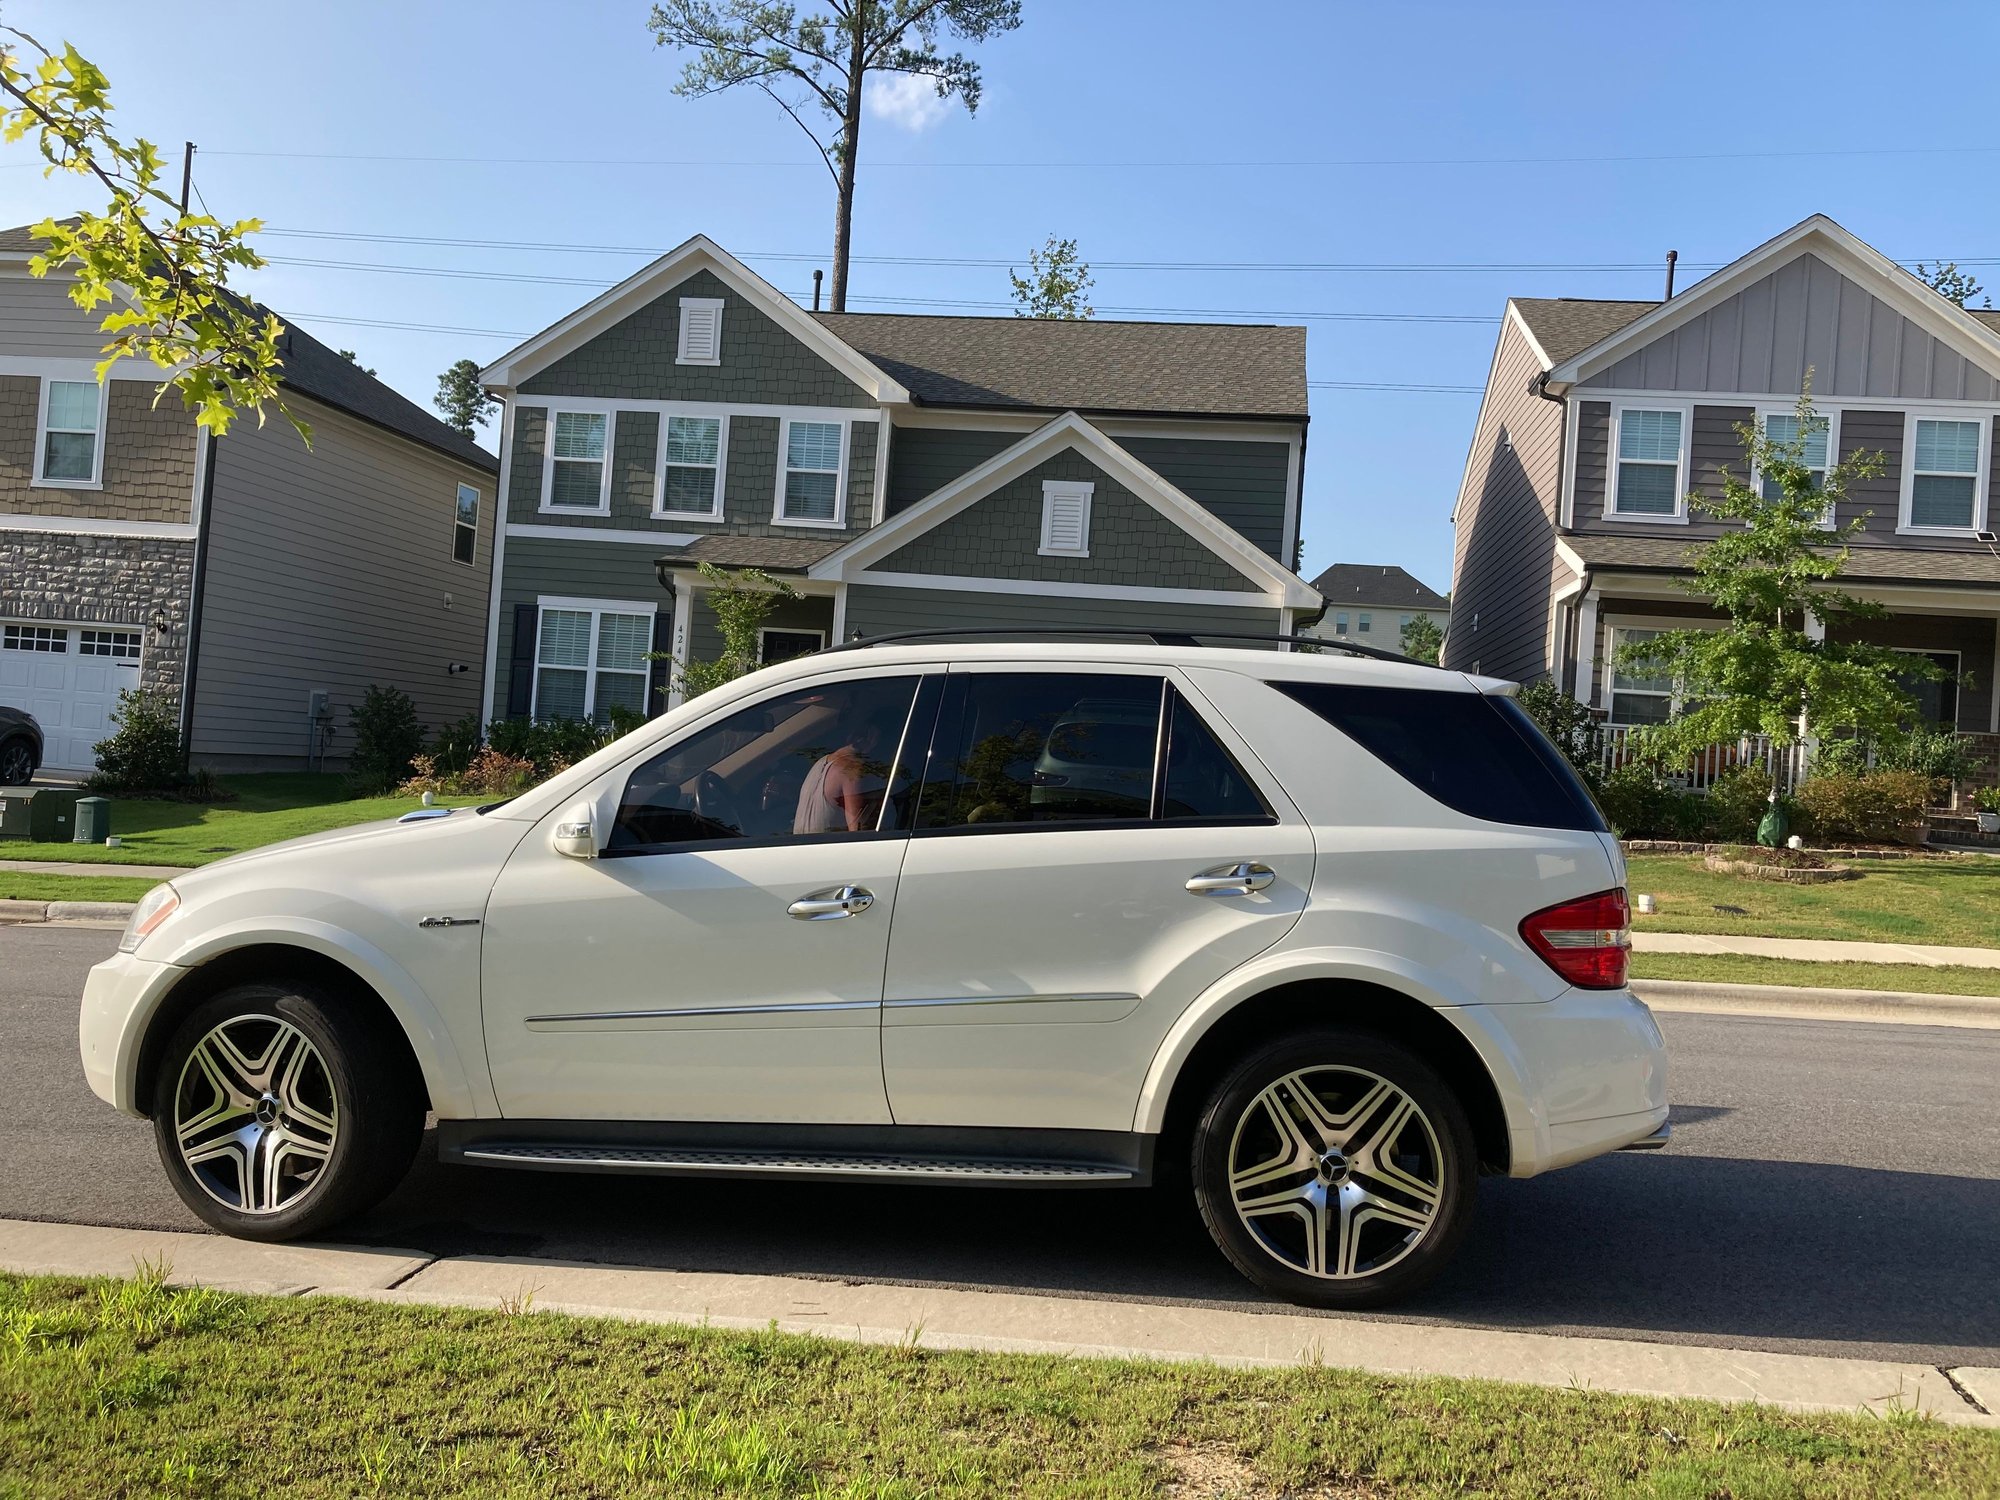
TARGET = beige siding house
x,y
247,580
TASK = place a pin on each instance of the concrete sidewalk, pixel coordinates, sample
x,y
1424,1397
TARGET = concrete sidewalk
x,y
1817,950
950,1318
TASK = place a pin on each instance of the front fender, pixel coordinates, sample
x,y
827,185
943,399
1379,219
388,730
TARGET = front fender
x,y
1389,971
455,1091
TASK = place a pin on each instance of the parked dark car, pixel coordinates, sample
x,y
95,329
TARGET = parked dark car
x,y
20,746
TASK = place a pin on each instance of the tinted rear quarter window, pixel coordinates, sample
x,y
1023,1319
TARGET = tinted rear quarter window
x,y
1476,754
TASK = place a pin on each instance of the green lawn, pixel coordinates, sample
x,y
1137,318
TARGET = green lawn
x,y
1955,902
267,808
132,1389
29,887
1741,968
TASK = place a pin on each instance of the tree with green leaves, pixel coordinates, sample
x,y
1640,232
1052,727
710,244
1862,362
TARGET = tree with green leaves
x,y
1778,669
1057,282
354,359
742,600
163,271
818,64
1422,640
1951,283
466,403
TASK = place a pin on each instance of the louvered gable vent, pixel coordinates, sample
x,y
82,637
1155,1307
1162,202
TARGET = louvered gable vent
x,y
1065,519
701,331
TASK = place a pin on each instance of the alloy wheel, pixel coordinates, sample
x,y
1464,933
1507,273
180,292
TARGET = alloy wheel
x,y
254,1114
1336,1172
17,763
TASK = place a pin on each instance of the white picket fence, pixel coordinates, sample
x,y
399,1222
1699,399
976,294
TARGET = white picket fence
x,y
1783,761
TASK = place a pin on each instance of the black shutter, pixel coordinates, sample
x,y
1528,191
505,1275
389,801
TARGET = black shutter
x,y
521,667
661,677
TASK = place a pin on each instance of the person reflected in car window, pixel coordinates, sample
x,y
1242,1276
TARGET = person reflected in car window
x,y
843,790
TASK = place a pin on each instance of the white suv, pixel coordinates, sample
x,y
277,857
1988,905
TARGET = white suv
x,y
1323,937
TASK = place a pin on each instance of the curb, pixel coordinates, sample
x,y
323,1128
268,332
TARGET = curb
x,y
1006,1321
94,913
1896,1007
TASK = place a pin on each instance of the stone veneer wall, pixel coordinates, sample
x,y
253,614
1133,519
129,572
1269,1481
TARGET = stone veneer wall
x,y
105,580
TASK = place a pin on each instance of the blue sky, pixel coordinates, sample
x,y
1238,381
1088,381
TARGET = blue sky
x,y
1395,136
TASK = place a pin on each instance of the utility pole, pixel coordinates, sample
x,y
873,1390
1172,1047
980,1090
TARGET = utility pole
x,y
187,177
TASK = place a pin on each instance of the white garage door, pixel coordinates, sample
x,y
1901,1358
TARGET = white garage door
x,y
69,678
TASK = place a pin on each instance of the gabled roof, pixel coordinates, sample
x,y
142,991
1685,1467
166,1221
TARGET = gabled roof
x,y
1566,326
1377,583
1068,431
312,369
1089,366
697,254
1859,261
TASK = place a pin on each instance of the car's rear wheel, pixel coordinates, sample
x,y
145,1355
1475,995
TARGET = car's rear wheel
x,y
282,1109
17,761
1335,1168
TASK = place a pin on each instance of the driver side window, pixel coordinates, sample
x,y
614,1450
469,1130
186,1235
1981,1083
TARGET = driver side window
x,y
814,762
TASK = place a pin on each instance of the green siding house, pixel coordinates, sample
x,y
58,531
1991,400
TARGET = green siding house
x,y
899,472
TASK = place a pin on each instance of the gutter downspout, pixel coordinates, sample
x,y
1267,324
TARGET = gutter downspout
x,y
200,589
1540,386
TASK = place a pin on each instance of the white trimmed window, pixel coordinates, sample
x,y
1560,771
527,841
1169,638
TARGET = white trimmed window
x,y
691,473
809,482
1638,699
700,332
49,638
1065,518
1365,624
1783,427
776,644
122,644
1650,450
69,447
465,525
1944,481
590,659
1340,622
579,476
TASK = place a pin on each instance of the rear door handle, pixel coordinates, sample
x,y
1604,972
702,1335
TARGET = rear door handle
x,y
838,901
1232,880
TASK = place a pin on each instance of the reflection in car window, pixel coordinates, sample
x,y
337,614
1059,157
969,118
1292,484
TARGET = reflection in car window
x,y
1203,781
815,761
1043,748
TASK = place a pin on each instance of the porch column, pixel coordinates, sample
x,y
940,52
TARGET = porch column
x,y
1586,648
684,585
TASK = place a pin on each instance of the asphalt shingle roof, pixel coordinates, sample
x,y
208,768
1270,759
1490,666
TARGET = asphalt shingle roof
x,y
1375,583
775,554
1050,364
314,370
1566,326
1665,554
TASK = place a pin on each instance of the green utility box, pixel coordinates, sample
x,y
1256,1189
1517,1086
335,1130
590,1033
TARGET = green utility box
x,y
46,814
93,820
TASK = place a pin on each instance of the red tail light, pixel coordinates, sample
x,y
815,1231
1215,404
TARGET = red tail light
x,y
1587,941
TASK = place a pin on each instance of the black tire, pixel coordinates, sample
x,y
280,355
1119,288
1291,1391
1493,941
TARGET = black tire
x,y
17,761
1432,1148
361,1070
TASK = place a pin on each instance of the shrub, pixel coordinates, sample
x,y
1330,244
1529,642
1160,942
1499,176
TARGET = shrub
x,y
455,745
1875,807
387,737
495,773
1735,805
1987,799
143,755
1570,726
1639,803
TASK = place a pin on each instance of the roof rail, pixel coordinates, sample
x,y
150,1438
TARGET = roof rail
x,y
1159,635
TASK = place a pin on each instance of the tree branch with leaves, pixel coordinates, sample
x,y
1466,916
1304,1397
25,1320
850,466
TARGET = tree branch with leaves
x,y
163,270
816,65
1056,285
741,600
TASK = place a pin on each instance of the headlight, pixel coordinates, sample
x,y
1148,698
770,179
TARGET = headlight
x,y
161,902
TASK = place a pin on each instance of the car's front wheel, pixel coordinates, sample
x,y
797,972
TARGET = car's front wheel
x,y
282,1109
1335,1168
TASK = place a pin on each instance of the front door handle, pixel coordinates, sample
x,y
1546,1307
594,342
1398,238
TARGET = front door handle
x,y
839,901
1232,880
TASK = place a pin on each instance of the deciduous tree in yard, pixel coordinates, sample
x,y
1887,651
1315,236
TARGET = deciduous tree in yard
x,y
1422,640
1771,574
463,400
161,273
1057,282
819,62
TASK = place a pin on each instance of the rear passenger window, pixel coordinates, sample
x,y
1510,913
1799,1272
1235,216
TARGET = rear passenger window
x,y
1018,748
1477,754
1203,782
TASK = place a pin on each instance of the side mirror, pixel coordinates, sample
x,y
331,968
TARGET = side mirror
x,y
576,835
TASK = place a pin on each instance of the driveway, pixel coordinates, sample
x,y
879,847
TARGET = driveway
x,y
1831,1189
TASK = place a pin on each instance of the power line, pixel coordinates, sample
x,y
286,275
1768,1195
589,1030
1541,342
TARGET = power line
x,y
1391,385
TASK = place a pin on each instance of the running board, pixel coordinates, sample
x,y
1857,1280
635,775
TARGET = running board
x,y
672,1162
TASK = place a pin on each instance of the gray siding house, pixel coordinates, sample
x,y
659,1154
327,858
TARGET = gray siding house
x,y
1574,530
899,472
243,579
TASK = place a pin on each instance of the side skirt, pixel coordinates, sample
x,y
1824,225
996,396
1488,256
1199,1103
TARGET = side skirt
x,y
972,1156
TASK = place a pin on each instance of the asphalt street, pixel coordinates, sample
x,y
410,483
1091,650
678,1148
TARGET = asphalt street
x,y
1831,1189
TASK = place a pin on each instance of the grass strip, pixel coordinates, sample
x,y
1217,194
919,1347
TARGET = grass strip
x,y
1950,901
129,1388
1743,968
27,887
